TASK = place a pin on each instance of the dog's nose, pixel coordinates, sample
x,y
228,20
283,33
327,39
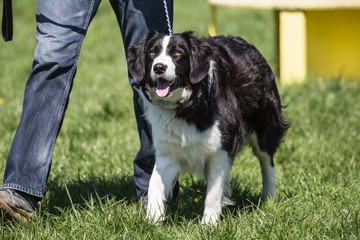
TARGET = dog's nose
x,y
159,68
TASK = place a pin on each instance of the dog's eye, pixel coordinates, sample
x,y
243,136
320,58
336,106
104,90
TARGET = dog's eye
x,y
177,53
151,53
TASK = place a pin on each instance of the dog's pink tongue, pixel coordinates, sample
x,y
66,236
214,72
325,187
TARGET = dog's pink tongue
x,y
163,88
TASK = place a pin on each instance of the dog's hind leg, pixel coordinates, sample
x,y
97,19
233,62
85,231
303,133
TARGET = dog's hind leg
x,y
267,168
218,170
161,183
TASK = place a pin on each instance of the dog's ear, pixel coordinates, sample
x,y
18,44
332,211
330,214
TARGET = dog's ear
x,y
136,60
200,56
136,57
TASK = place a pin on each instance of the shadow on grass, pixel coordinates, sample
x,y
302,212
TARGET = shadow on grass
x,y
80,191
191,199
189,204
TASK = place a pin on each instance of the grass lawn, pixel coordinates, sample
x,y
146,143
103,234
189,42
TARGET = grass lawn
x,y
90,191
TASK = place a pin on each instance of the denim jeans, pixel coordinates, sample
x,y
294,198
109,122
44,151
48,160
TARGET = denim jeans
x,y
61,28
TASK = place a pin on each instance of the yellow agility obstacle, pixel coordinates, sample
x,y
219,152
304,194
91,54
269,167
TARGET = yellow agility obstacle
x,y
315,37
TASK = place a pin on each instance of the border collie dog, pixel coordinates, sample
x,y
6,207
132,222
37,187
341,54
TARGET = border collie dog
x,y
205,98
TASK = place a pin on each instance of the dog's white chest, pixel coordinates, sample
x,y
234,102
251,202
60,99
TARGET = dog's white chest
x,y
182,142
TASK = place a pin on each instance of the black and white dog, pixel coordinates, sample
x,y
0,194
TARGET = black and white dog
x,y
205,99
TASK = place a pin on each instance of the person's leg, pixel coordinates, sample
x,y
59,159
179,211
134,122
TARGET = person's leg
x,y
61,27
136,18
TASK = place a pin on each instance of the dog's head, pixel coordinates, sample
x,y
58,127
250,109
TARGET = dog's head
x,y
168,67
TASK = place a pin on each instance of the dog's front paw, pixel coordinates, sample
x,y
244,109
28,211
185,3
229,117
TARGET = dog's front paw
x,y
210,219
269,194
154,214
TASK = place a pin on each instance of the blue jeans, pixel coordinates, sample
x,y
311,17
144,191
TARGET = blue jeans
x,y
61,28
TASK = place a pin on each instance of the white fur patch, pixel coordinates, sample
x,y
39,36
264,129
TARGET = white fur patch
x,y
166,60
218,171
181,141
267,170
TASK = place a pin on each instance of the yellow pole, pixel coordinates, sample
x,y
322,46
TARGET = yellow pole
x,y
292,46
212,24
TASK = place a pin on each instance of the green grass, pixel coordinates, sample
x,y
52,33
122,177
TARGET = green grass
x,y
90,192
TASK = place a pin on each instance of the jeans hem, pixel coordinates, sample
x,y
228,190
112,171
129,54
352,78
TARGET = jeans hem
x,y
14,186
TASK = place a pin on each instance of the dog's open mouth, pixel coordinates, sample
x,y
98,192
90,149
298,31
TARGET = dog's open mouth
x,y
164,87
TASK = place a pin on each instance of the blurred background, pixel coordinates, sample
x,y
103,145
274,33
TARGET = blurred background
x,y
317,166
